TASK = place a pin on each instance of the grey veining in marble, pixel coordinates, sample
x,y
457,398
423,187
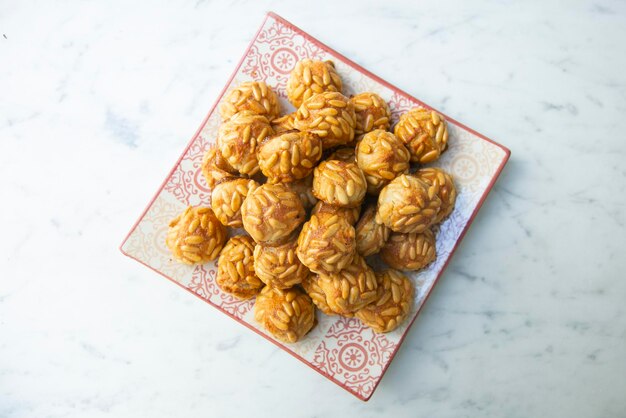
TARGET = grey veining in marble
x,y
97,100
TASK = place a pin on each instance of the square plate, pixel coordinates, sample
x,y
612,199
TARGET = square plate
x,y
342,349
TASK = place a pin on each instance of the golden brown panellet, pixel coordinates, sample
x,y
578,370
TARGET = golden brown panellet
x,y
350,289
408,204
227,198
424,132
339,183
271,213
235,268
372,112
381,157
254,96
239,137
447,189
328,115
279,266
412,251
310,77
393,302
326,243
287,314
289,156
215,168
195,236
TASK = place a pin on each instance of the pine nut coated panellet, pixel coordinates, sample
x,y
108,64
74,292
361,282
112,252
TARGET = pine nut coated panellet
x,y
326,243
350,289
227,198
372,112
271,213
311,77
339,183
238,139
254,96
317,295
349,214
412,251
235,268
289,156
215,168
447,190
381,157
393,302
195,236
287,314
408,204
329,116
279,266
425,134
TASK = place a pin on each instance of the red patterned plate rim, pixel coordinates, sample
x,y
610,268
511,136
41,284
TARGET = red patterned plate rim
x,y
359,68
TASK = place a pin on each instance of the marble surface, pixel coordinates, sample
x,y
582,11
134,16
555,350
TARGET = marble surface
x,y
97,100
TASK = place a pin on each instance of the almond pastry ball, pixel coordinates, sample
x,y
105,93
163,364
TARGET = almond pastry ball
x,y
317,295
329,116
227,197
409,251
350,214
284,123
326,244
195,236
271,213
447,190
370,235
215,168
289,156
304,189
279,266
372,112
350,289
339,183
238,138
254,96
287,314
408,204
381,157
311,77
346,154
425,134
392,305
235,268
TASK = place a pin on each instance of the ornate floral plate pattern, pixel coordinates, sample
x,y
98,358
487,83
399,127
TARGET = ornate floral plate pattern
x,y
342,349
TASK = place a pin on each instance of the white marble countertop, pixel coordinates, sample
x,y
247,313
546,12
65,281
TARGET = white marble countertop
x,y
97,100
